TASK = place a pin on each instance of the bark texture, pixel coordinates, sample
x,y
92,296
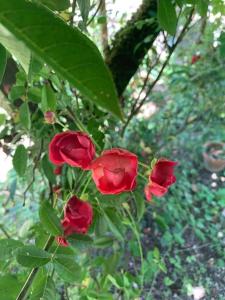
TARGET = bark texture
x,y
131,43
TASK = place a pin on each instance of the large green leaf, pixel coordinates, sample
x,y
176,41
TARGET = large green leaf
x,y
48,99
167,16
25,116
49,219
9,287
103,242
67,269
43,287
20,160
7,247
31,256
48,169
56,4
65,49
114,223
140,205
15,47
202,7
80,240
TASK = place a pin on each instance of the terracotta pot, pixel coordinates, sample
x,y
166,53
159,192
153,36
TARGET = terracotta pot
x,y
210,154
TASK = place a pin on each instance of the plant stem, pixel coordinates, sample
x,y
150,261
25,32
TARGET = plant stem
x,y
137,107
4,231
134,228
80,125
143,165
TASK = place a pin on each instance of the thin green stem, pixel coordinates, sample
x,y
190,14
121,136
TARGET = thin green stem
x,y
86,185
143,165
142,177
81,126
134,228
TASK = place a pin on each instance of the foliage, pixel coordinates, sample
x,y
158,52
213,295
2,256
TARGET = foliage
x,y
134,249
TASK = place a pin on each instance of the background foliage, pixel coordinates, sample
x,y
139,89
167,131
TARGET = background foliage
x,y
170,107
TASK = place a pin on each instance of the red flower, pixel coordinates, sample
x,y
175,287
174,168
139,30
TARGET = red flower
x,y
195,58
77,219
160,178
72,147
115,171
58,170
49,117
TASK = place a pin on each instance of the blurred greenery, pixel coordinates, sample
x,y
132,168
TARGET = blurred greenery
x,y
135,249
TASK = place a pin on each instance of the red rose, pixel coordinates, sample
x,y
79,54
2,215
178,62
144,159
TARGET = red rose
x,y
77,219
72,147
115,171
58,170
160,178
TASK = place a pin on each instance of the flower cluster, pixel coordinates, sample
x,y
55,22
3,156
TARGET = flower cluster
x,y
114,171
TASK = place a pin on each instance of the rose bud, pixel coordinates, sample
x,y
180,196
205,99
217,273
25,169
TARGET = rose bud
x,y
49,117
57,189
77,219
58,170
62,241
195,58
72,147
115,171
160,178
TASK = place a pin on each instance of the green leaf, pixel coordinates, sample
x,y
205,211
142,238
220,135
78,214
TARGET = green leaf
x,y
103,242
31,256
20,160
16,92
49,219
84,6
140,205
43,287
69,52
34,95
9,287
202,7
80,240
48,99
25,115
34,67
222,45
2,119
58,5
7,247
111,263
100,226
3,61
167,16
15,47
114,281
114,223
48,169
67,269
